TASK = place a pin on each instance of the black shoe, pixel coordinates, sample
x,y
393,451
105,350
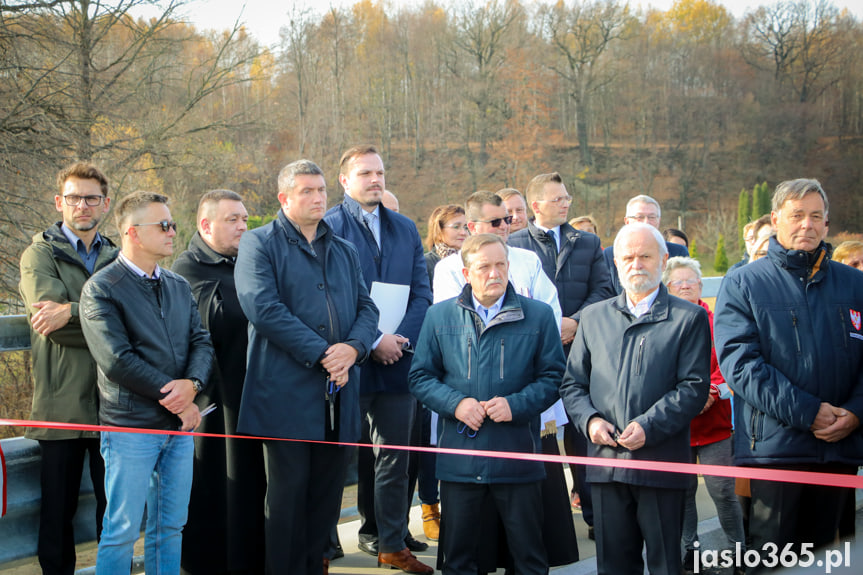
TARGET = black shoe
x,y
590,534
370,547
415,545
335,552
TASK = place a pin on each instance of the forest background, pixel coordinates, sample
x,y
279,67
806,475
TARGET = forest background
x,y
689,105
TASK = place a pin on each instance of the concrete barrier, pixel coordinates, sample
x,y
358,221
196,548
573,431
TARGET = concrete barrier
x,y
20,527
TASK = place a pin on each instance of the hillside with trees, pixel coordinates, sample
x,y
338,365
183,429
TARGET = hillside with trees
x,y
690,105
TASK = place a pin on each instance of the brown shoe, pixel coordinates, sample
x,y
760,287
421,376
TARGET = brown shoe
x,y
326,566
431,521
404,560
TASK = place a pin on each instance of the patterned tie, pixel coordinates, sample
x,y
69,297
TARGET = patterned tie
x,y
369,218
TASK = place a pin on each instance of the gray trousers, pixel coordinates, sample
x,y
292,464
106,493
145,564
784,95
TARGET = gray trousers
x,y
382,490
720,489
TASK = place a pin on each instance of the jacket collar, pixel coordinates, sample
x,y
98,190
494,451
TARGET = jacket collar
x,y
204,254
509,312
63,250
294,235
658,311
568,237
802,264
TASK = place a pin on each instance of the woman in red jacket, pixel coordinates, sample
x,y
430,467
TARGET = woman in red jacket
x,y
710,431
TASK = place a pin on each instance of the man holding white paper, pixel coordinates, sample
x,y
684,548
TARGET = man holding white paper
x,y
391,252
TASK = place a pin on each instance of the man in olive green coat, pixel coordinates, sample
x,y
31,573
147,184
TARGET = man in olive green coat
x,y
53,271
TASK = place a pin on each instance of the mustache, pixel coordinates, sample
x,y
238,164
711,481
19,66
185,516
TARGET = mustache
x,y
493,282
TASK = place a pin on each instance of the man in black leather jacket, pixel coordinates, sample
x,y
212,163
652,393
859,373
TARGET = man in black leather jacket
x,y
143,329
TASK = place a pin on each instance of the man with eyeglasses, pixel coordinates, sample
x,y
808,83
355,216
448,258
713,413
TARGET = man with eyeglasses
x,y
489,362
53,271
144,331
486,214
572,259
641,209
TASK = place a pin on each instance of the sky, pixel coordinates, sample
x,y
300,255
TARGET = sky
x,y
263,18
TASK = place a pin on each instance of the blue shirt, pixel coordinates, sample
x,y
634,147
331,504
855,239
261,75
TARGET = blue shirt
x,y
487,313
88,257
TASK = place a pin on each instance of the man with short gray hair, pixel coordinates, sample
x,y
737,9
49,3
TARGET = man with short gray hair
x,y
312,323
489,362
638,372
646,210
790,342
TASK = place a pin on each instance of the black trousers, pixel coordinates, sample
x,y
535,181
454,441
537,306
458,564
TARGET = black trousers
x,y
519,506
797,513
629,517
62,465
304,483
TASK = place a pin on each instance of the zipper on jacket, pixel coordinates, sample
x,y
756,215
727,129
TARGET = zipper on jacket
x,y
501,358
638,357
842,327
753,428
796,331
469,354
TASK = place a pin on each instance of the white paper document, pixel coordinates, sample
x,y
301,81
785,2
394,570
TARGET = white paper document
x,y
392,302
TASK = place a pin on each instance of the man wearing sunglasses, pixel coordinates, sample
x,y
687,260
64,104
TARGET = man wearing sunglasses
x,y
144,331
53,271
489,362
486,214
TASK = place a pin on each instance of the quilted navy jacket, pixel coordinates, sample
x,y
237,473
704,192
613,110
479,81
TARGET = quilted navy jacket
x,y
788,336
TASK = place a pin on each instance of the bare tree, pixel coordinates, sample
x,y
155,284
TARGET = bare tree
x,y
581,34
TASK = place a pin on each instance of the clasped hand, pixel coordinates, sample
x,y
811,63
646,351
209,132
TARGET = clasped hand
x,y
472,412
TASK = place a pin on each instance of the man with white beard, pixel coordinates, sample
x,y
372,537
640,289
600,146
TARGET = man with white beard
x,y
638,372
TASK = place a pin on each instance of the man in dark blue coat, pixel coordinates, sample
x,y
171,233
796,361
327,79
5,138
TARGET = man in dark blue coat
x,y
312,321
391,252
789,339
646,210
489,362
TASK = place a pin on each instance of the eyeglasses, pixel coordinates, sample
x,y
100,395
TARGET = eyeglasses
x,y
91,201
495,223
679,283
644,217
559,199
457,227
166,225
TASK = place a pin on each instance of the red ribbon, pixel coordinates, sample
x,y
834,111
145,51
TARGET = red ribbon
x,y
788,476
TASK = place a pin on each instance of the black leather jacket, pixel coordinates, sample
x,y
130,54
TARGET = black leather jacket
x,y
142,333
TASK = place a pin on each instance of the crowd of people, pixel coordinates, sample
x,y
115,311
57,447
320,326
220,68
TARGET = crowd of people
x,y
509,327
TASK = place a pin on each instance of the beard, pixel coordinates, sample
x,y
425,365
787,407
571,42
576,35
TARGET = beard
x,y
85,227
640,282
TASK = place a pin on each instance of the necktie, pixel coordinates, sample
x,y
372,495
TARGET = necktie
x,y
369,218
553,237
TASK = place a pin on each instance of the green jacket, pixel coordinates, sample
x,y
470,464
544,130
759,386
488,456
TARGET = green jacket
x,y
64,373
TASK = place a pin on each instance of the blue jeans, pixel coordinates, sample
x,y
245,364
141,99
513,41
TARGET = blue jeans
x,y
151,470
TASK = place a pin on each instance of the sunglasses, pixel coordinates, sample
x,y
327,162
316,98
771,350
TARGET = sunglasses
x,y
165,224
495,223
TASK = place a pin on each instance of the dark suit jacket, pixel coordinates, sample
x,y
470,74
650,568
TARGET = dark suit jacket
x,y
674,250
399,261
578,270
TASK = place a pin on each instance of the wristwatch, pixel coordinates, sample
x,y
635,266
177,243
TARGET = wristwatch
x,y
196,383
